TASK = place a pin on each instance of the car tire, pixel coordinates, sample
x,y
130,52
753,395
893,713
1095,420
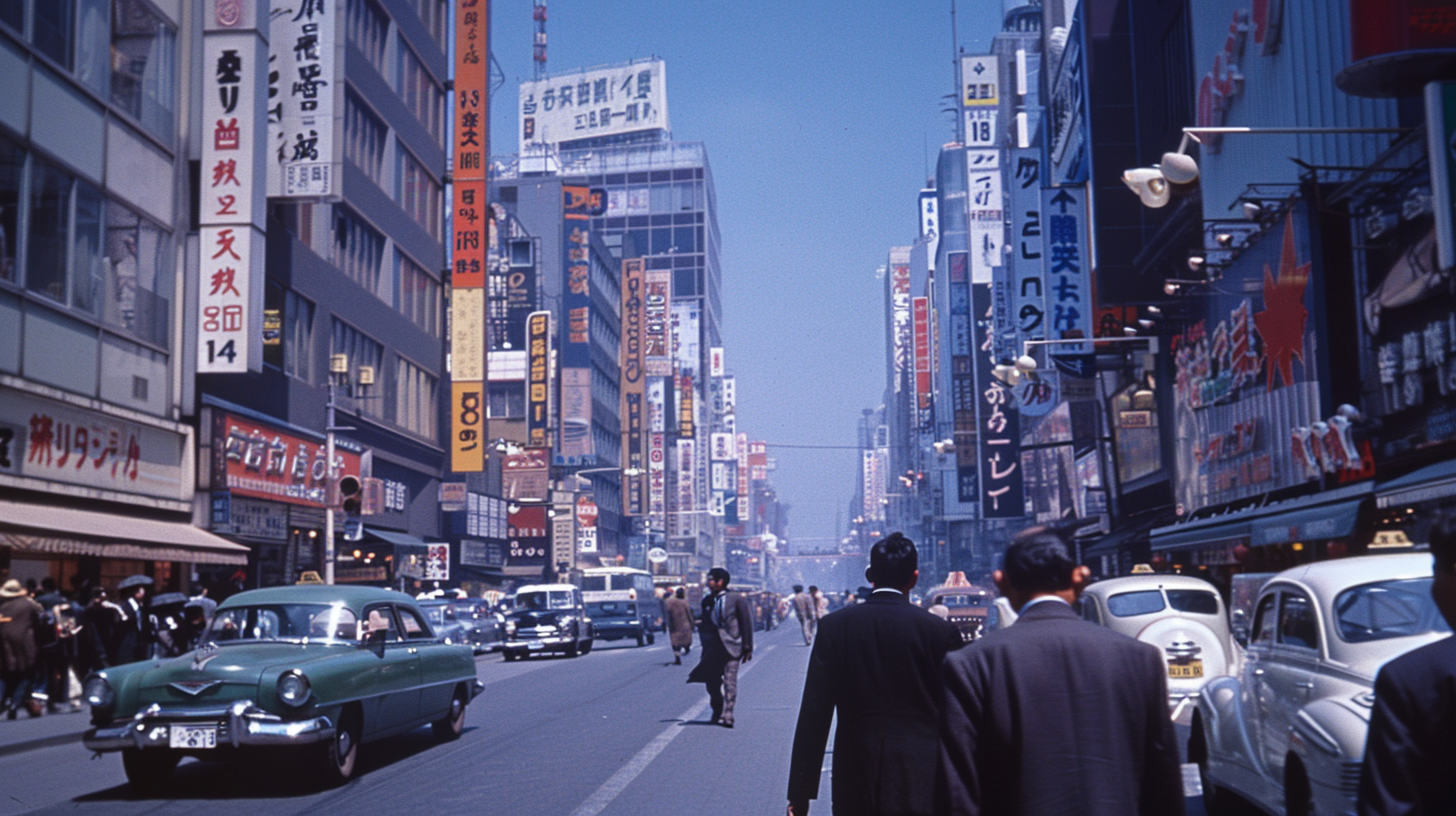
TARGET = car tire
x,y
572,649
339,755
149,770
507,656
1298,798
452,725
651,638
587,647
641,639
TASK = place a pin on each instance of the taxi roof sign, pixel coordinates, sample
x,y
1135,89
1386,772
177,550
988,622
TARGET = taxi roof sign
x,y
310,577
1142,569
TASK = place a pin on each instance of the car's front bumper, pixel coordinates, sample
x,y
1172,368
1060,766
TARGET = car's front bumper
x,y
537,644
241,723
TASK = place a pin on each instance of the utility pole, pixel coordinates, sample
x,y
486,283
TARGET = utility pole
x,y
338,364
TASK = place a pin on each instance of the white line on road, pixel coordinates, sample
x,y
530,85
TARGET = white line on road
x,y
619,781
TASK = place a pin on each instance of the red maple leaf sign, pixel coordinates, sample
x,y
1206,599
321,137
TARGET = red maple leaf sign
x,y
1282,322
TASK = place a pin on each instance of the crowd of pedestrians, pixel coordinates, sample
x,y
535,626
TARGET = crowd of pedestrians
x,y
50,640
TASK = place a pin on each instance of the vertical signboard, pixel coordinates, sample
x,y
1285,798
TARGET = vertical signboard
x,y
920,308
980,98
306,98
656,450
687,488
633,384
527,539
656,328
1067,265
986,212
739,512
930,225
715,361
962,378
586,526
998,423
233,181
900,323
538,379
469,229
1035,396
576,445
1441,137
723,472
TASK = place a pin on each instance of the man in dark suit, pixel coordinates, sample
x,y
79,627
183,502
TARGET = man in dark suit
x,y
1055,715
878,664
725,633
1410,752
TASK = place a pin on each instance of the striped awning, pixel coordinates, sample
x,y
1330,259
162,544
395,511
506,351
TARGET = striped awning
x,y
45,528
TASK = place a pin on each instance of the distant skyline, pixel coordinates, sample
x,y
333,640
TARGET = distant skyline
x,y
821,123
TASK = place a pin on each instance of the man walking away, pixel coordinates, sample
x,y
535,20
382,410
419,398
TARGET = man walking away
x,y
1020,702
679,619
878,665
726,635
804,611
20,618
96,635
1411,749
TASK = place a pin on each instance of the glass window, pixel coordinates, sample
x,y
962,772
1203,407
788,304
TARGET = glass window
x,y
415,399
358,251
419,193
421,94
1297,624
93,45
419,296
12,13
298,336
362,351
435,15
87,268
143,65
415,627
1196,601
507,400
139,267
52,33
367,27
381,619
682,238
50,207
1129,604
1387,609
364,139
1264,620
12,173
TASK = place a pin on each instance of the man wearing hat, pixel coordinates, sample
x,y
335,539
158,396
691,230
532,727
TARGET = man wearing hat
x,y
20,618
135,634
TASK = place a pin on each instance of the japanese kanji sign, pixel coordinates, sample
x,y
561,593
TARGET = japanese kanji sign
x,y
633,384
998,423
1068,268
468,248
986,211
538,378
598,102
305,99
254,459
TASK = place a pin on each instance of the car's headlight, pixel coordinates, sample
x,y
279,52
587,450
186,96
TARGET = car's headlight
x,y
510,627
564,621
293,688
98,692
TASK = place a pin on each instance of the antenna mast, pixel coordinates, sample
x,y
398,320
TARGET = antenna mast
x,y
538,49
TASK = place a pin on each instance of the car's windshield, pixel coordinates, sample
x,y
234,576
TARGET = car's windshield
x,y
972,599
438,615
611,609
554,599
284,622
1387,609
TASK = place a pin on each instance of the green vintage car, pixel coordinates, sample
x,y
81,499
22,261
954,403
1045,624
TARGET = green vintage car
x,y
327,667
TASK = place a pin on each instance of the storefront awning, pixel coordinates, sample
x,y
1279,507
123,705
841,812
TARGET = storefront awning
x,y
392,537
1116,540
1325,515
66,531
1427,484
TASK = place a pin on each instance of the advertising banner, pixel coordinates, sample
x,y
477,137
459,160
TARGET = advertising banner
x,y
469,238
999,439
528,540
576,446
872,487
1246,388
594,103
255,459
657,323
306,96
920,308
1068,267
467,326
526,475
686,406
47,439
656,477
1028,318
586,526
633,385
930,225
987,213
687,490
962,379
467,426
538,379
715,361
900,323
686,337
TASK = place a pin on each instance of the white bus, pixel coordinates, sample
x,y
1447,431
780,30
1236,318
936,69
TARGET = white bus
x,y
621,603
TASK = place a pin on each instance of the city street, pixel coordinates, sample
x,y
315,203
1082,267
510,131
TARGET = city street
x,y
617,731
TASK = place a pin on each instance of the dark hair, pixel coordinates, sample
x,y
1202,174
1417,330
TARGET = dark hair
x,y
719,574
97,592
893,561
680,593
1038,561
798,588
813,589
1443,541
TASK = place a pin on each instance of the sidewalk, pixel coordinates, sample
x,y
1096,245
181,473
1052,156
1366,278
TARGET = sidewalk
x,y
26,733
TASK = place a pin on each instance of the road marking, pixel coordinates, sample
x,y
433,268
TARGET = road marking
x,y
619,781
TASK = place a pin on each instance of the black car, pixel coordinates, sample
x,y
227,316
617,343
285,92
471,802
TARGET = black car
x,y
617,616
485,627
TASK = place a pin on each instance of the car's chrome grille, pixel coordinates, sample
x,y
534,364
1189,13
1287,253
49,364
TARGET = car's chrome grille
x,y
1350,778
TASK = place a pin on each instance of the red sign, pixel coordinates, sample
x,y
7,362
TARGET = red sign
x,y
1223,81
921,312
261,461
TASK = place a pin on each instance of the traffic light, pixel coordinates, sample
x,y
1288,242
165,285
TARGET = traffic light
x,y
350,492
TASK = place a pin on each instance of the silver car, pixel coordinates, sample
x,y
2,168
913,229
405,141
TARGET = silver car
x,y
1181,615
1287,730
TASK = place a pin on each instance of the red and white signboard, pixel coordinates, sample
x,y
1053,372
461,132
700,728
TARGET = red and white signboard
x,y
715,361
922,351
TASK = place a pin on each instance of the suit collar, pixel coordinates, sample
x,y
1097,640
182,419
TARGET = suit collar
x,y
887,598
1048,610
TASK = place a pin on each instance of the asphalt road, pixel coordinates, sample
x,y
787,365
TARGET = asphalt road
x,y
616,732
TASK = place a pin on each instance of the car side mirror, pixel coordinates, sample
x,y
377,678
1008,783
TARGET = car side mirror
x,y
374,642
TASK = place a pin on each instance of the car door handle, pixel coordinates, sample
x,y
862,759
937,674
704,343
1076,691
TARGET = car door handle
x,y
414,650
1258,672
1304,685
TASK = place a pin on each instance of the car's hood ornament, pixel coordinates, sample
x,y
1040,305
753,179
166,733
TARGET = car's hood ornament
x,y
202,657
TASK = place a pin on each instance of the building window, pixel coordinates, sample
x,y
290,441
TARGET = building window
x,y
414,403
435,15
419,193
367,27
12,172
12,13
364,139
139,268
297,337
362,352
421,94
51,34
358,251
419,296
507,400
144,65
50,209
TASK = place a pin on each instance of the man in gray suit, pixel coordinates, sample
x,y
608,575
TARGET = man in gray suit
x,y
1055,715
726,636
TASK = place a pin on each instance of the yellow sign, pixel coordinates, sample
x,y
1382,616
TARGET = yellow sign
x,y
1142,569
467,427
310,577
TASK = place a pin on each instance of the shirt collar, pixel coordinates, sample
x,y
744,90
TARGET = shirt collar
x,y
1041,599
887,589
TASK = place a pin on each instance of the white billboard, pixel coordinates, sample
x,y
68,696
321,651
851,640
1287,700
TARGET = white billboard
x,y
594,102
306,94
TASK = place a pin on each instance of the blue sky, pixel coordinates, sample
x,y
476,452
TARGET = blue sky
x,y
819,120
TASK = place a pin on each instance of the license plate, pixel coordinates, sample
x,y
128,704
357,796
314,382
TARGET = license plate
x,y
1193,668
193,736
535,644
